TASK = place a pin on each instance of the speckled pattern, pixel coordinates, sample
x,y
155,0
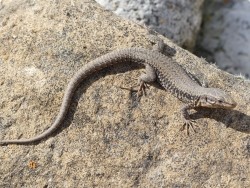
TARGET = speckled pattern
x,y
108,139
170,75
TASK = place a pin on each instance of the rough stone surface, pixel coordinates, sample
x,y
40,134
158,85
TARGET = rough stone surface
x,y
225,35
178,20
108,139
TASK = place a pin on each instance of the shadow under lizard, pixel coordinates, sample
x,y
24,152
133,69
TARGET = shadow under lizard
x,y
159,67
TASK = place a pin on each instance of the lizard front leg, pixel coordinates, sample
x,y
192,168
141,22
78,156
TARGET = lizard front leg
x,y
188,122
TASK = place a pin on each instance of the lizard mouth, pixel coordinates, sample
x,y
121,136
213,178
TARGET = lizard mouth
x,y
230,105
218,104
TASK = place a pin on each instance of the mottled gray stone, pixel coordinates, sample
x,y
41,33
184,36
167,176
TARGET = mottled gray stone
x,y
108,139
178,20
225,35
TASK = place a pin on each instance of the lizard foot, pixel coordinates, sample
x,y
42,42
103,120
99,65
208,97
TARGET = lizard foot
x,y
188,123
141,91
129,88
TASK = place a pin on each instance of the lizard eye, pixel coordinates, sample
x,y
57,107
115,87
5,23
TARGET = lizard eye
x,y
220,101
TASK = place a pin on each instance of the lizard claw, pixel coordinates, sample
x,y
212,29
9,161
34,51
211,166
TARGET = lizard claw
x,y
141,91
188,123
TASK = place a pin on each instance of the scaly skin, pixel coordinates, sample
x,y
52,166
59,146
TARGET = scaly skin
x,y
168,73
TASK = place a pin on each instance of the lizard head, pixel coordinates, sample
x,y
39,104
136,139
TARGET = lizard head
x,y
216,98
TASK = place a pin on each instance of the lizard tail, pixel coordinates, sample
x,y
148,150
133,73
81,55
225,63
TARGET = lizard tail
x,y
93,66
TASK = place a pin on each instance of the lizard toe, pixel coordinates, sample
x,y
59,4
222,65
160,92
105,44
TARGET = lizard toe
x,y
188,124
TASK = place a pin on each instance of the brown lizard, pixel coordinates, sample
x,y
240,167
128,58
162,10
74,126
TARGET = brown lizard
x,y
158,67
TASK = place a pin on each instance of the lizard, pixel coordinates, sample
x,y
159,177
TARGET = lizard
x,y
171,76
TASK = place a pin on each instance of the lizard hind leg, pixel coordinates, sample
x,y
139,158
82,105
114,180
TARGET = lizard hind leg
x,y
149,76
159,45
153,38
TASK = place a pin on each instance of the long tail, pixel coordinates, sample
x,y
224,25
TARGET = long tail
x,y
93,66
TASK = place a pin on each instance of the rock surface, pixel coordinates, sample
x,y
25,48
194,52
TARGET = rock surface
x,y
108,139
177,20
225,35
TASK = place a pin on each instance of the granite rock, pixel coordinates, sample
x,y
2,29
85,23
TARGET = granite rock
x,y
177,20
225,35
108,139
